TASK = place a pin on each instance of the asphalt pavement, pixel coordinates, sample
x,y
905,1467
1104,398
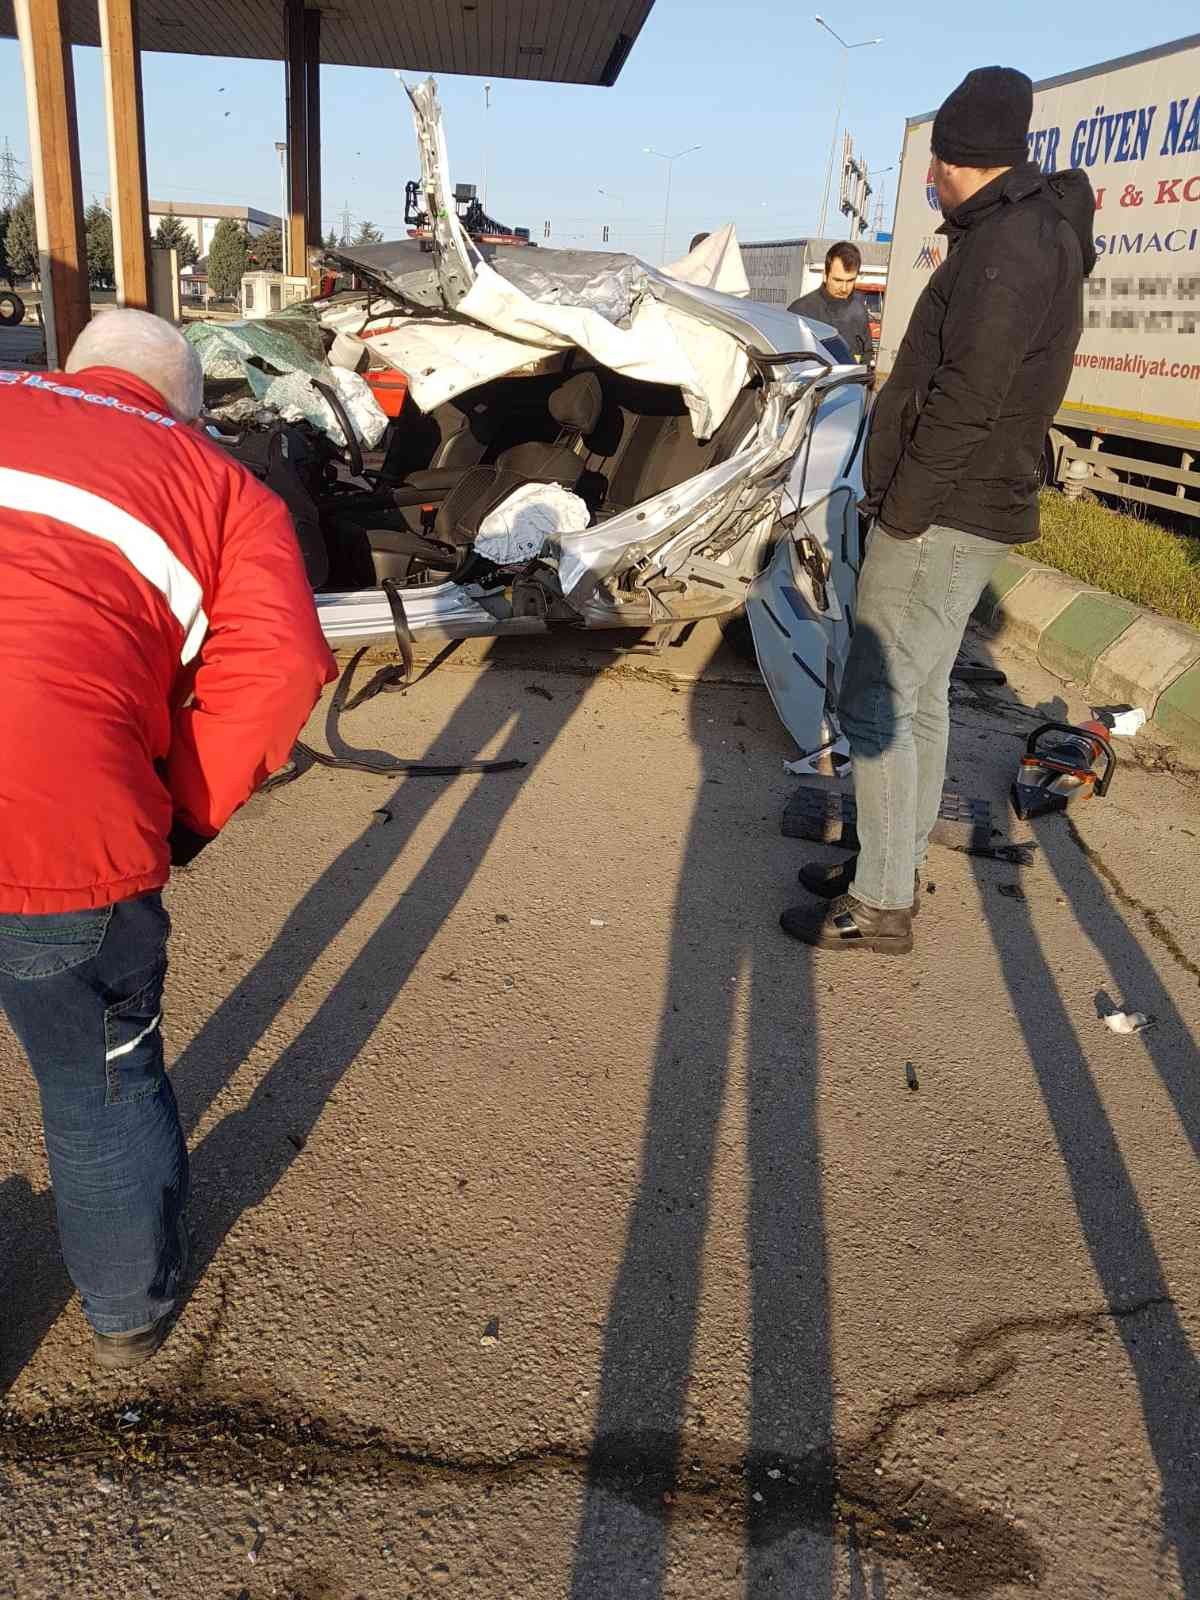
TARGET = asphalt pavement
x,y
22,346
561,1229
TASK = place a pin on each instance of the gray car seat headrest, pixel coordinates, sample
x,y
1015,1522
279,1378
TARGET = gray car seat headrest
x,y
578,403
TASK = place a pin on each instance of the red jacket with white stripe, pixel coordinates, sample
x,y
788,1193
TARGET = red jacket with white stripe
x,y
159,646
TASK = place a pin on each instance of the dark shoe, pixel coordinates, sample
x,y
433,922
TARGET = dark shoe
x,y
114,1351
847,924
830,882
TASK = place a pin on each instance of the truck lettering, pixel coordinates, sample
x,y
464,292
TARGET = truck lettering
x,y
1183,130
1145,121
1043,148
1112,136
1178,241
1127,120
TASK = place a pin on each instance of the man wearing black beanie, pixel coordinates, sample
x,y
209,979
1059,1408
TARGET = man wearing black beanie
x,y
952,460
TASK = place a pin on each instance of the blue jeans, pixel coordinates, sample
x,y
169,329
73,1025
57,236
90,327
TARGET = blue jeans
x,y
83,992
915,598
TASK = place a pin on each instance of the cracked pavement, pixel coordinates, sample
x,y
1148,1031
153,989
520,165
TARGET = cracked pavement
x,y
562,1229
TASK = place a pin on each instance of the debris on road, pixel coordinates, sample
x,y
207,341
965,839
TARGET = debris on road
x,y
978,672
491,1333
831,760
255,1549
597,923
910,1076
1013,855
539,690
1011,891
1124,721
1126,1021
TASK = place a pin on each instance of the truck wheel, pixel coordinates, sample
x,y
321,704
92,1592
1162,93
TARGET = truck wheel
x,y
12,309
735,626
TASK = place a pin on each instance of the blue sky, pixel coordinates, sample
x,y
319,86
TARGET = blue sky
x,y
754,83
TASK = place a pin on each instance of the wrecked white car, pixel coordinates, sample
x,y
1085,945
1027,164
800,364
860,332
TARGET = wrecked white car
x,y
587,442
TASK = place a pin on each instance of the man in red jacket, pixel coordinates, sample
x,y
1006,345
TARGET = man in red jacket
x,y
160,651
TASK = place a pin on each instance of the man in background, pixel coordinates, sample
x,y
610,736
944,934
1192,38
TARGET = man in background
x,y
834,301
160,651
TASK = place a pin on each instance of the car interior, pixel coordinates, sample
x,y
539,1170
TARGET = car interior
x,y
411,510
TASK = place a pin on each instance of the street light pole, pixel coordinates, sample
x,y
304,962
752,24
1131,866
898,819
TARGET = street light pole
x,y
284,230
837,118
670,160
487,106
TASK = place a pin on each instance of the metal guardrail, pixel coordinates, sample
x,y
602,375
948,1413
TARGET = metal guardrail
x,y
1184,500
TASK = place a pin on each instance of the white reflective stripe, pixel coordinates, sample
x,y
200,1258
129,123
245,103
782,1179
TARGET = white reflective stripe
x,y
145,550
125,1049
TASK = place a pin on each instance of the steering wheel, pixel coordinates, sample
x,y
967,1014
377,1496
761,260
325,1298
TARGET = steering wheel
x,y
334,402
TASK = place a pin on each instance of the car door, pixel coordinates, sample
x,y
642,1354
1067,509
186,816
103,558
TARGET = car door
x,y
801,607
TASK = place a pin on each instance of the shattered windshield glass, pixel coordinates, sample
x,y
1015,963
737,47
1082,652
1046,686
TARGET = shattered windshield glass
x,y
254,370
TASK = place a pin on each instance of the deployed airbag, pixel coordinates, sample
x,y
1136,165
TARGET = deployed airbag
x,y
520,527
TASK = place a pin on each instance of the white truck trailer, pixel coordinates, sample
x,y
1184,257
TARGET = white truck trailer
x,y
1130,424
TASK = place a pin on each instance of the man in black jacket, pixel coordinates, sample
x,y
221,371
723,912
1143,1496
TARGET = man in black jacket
x,y
951,481
835,302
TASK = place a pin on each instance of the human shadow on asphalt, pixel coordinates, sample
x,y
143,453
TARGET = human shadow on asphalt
x,y
239,1161
653,1448
34,1286
720,942
1113,1225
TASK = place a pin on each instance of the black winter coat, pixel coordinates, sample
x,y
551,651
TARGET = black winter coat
x,y
848,316
958,429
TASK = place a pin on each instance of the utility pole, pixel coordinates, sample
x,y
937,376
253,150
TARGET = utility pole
x,y
880,211
837,116
281,151
10,180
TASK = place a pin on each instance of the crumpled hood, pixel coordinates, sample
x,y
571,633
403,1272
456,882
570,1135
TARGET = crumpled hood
x,y
1071,192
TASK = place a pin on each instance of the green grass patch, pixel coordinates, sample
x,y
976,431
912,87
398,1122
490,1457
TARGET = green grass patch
x,y
1127,556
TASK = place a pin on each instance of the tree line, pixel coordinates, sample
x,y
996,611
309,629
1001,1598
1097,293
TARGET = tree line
x,y
233,251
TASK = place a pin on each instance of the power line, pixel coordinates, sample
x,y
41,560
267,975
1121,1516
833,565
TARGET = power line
x,y
11,187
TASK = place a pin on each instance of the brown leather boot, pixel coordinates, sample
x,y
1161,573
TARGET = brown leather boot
x,y
847,924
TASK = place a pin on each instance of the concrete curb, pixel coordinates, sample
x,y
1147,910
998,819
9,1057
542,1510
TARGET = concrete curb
x,y
1120,653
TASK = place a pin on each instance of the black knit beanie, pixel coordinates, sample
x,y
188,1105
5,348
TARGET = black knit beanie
x,y
985,121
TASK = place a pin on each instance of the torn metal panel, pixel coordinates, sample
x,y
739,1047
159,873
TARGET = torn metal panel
x,y
456,258
442,359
